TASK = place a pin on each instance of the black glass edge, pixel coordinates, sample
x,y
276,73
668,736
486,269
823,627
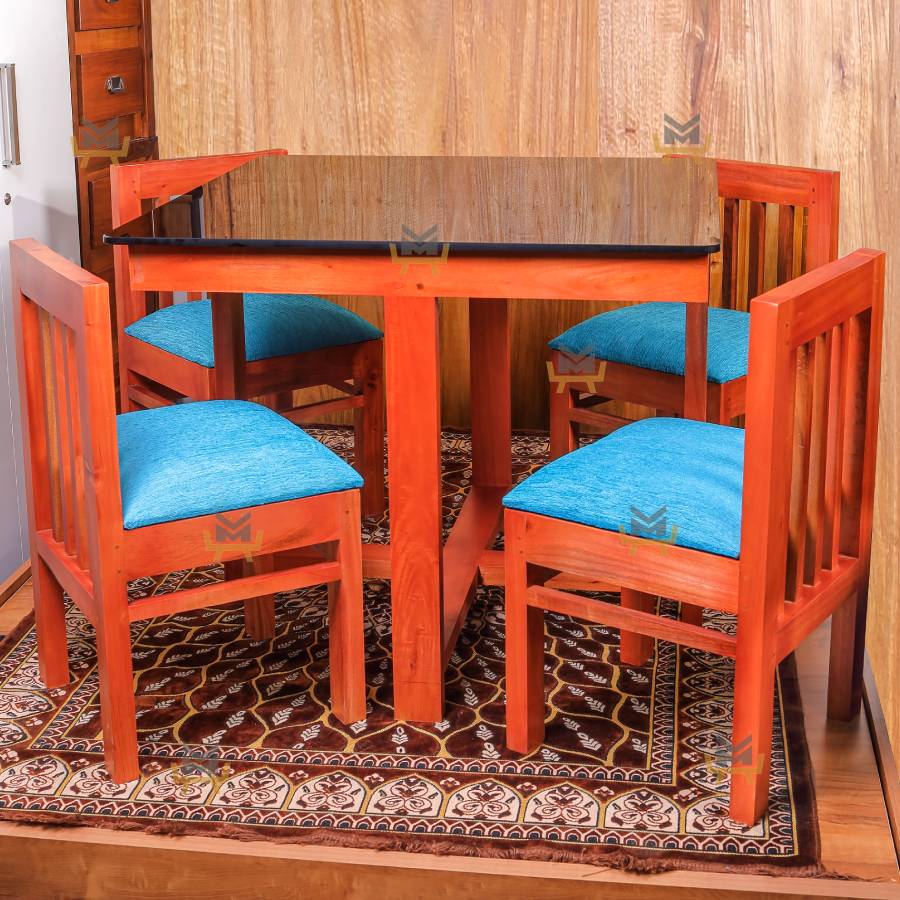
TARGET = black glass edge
x,y
468,249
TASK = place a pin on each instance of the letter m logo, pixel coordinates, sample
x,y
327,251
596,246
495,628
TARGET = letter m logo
x,y
648,526
233,530
675,132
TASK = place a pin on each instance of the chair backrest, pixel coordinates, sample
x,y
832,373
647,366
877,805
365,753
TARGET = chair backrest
x,y
67,396
778,222
135,186
812,429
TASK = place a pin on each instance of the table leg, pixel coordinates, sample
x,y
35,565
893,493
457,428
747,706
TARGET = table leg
x,y
489,377
413,387
478,521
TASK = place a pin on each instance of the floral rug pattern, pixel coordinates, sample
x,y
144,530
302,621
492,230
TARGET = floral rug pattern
x,y
237,738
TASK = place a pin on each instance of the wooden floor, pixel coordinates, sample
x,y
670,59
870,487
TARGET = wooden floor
x,y
95,863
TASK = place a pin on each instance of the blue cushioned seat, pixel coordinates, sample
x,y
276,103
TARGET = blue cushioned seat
x,y
651,335
620,482
274,325
195,459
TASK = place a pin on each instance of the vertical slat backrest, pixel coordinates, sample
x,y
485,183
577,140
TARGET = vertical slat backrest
x,y
777,223
156,181
67,396
812,422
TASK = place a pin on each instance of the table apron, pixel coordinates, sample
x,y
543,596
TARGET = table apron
x,y
625,277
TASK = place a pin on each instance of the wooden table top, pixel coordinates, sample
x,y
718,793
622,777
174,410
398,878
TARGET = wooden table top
x,y
486,205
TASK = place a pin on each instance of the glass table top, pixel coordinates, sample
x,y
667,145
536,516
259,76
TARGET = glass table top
x,y
419,204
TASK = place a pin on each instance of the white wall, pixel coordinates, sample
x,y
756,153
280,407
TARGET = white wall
x,y
33,35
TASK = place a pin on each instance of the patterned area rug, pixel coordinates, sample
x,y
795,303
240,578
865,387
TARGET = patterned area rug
x,y
237,740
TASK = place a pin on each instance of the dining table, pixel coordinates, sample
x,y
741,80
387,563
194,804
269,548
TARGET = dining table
x,y
414,229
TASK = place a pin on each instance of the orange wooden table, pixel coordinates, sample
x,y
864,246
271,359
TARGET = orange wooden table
x,y
411,230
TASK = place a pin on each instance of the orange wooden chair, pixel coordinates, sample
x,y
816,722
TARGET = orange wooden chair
x,y
253,346
777,223
111,499
777,532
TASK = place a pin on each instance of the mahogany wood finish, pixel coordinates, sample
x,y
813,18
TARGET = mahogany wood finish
x,y
622,277
812,425
434,579
103,14
603,75
108,39
777,222
78,540
432,586
110,84
150,376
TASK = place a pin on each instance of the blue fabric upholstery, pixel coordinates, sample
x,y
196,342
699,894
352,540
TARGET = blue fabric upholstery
x,y
651,335
622,481
194,459
274,325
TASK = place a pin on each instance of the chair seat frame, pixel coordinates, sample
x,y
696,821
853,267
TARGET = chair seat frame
x,y
78,541
809,480
777,222
150,376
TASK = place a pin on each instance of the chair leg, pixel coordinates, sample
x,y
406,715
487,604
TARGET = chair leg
x,y
635,649
751,751
691,614
283,400
525,708
259,612
845,667
117,712
368,427
50,622
564,433
125,401
346,626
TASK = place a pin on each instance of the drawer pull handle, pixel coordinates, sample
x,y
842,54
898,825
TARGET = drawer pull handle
x,y
112,1
115,84
9,120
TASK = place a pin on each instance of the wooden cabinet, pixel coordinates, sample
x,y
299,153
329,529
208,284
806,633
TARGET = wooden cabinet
x,y
112,103
110,84
110,64
91,14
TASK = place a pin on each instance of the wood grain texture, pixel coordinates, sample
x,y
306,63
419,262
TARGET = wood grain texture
x,y
803,83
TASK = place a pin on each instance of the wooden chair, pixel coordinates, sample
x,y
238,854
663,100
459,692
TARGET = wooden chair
x,y
777,223
158,365
777,532
106,502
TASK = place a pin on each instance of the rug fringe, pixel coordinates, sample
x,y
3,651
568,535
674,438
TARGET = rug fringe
x,y
637,862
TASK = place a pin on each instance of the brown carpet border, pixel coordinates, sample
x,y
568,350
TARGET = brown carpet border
x,y
638,861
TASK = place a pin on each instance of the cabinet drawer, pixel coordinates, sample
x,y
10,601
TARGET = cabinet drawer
x,y
110,84
108,13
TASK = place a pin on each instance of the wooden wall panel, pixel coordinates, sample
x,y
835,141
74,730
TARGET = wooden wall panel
x,y
788,81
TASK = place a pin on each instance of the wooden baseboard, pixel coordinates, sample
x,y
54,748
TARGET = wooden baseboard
x,y
198,866
15,581
884,753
